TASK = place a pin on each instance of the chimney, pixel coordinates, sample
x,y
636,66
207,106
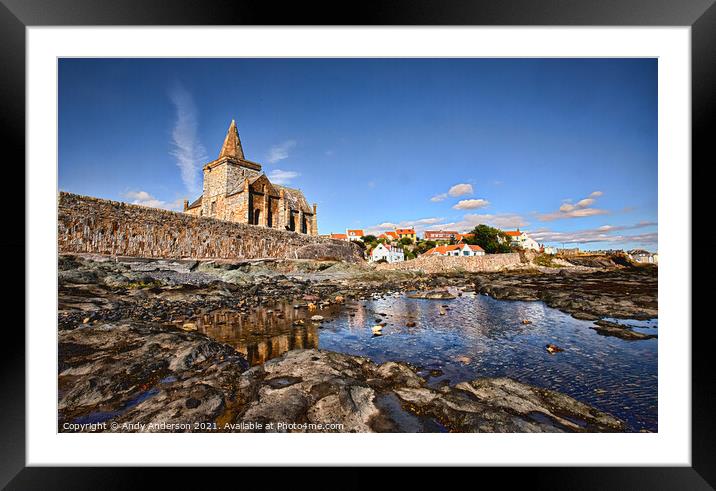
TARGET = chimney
x,y
186,204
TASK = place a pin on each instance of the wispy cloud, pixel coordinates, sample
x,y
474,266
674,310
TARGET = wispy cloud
x,y
186,147
145,199
603,234
454,192
280,151
503,221
420,225
439,197
471,204
279,176
580,209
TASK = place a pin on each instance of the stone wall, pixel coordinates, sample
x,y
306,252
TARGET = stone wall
x,y
446,264
92,225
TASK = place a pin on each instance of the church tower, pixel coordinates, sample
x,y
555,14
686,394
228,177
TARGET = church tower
x,y
226,175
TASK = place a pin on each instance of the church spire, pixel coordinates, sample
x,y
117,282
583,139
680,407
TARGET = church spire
x,y
232,144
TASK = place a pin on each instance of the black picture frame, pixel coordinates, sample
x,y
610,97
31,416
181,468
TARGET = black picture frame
x,y
16,15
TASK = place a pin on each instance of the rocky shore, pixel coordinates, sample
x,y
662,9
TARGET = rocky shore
x,y
124,357
141,377
627,293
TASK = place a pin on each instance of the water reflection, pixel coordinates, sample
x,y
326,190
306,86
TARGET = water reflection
x,y
263,334
469,337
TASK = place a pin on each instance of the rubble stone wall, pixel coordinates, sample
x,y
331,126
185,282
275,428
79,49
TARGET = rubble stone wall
x,y
98,226
446,264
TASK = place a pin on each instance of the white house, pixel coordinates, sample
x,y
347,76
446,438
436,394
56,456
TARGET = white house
x,y
390,253
353,235
550,250
456,250
521,239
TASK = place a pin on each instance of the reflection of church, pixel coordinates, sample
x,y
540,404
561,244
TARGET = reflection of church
x,y
236,190
262,335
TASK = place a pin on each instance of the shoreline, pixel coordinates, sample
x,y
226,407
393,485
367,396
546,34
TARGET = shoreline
x,y
128,303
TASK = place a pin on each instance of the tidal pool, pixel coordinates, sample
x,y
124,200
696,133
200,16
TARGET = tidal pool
x,y
462,339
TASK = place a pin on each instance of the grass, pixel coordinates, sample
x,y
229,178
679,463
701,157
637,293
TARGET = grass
x,y
545,260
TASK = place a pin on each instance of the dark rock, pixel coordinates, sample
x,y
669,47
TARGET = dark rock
x,y
606,328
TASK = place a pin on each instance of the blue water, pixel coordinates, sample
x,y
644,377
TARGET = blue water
x,y
478,336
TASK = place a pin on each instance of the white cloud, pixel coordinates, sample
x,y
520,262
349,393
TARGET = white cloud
x,y
143,198
471,204
278,176
280,151
439,197
188,151
460,190
454,192
579,210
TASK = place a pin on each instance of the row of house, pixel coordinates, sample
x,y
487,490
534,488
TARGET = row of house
x,y
390,236
445,235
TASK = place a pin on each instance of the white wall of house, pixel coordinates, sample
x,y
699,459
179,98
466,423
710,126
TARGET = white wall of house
x,y
391,255
352,235
525,242
467,251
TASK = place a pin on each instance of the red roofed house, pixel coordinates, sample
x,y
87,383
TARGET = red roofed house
x,y
406,232
522,240
354,234
339,236
456,250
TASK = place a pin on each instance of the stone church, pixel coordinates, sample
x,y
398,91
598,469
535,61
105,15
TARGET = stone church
x,y
236,190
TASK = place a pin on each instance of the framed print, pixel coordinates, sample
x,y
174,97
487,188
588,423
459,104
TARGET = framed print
x,y
421,236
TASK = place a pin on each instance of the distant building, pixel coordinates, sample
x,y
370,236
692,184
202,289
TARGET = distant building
x,y
339,236
354,235
440,235
406,232
390,253
574,251
461,237
389,236
522,240
549,250
644,257
455,250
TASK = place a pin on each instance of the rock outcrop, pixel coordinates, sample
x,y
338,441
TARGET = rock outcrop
x,y
143,377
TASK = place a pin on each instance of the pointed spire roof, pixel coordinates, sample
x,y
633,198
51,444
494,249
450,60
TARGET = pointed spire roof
x,y
232,144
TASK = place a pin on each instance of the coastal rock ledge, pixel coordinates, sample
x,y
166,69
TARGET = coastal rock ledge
x,y
143,377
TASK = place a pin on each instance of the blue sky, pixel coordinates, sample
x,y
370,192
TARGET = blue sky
x,y
565,149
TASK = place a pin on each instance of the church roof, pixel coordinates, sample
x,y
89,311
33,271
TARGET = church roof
x,y
232,144
195,203
295,198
